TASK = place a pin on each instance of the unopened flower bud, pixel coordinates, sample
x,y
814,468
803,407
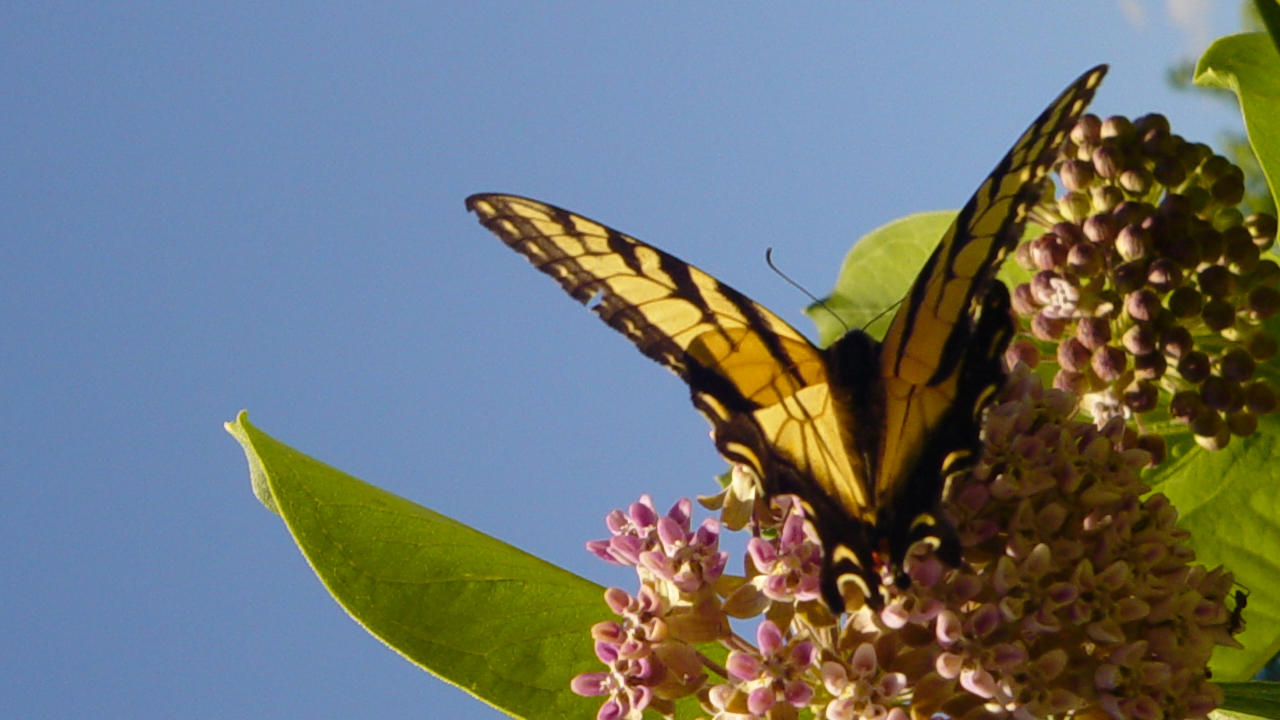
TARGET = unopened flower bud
x,y
1074,206
1213,441
1199,198
1076,174
1129,276
1151,122
1161,145
1221,394
1069,151
1141,396
1108,161
1194,366
1069,233
1169,172
1073,355
1264,302
1176,208
1229,190
1109,363
1184,250
1215,281
1072,382
1206,422
1155,445
1139,339
1106,197
1163,274
1022,350
1142,305
1133,212
1192,154
1084,260
1261,398
1022,256
1218,315
1022,300
1185,405
1240,254
1136,180
1048,252
1237,365
1087,129
1214,168
1242,423
1227,218
1093,332
1263,229
1047,328
1133,242
1267,273
1185,302
1151,366
1100,229
1261,345
1176,341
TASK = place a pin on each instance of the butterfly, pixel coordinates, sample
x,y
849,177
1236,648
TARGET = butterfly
x,y
865,433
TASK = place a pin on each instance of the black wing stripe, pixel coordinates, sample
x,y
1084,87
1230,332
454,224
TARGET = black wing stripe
x,y
1006,196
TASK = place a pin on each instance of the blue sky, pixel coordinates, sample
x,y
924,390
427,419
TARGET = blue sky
x,y
210,207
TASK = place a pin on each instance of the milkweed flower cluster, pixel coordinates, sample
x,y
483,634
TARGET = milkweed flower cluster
x,y
1077,595
1149,278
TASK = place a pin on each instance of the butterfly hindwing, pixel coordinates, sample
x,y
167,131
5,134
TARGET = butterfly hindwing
x,y
866,434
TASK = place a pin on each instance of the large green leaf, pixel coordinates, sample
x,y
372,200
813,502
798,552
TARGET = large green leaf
x,y
1227,500
1251,699
1249,66
495,621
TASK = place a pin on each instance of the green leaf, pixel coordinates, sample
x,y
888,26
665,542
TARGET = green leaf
x,y
1251,699
1249,66
480,614
1227,500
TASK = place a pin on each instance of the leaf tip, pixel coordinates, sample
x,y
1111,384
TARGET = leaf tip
x,y
241,430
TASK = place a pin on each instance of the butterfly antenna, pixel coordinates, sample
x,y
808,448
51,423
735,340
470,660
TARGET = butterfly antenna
x,y
768,258
883,312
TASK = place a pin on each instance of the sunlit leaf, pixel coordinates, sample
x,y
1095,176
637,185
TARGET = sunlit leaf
x,y
1249,66
495,621
1251,699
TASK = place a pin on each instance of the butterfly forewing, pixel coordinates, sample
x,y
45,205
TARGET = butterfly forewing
x,y
743,363
928,338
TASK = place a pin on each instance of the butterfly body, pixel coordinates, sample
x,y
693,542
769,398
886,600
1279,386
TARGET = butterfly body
x,y
865,433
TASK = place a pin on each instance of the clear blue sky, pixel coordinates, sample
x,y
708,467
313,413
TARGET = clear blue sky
x,y
209,207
